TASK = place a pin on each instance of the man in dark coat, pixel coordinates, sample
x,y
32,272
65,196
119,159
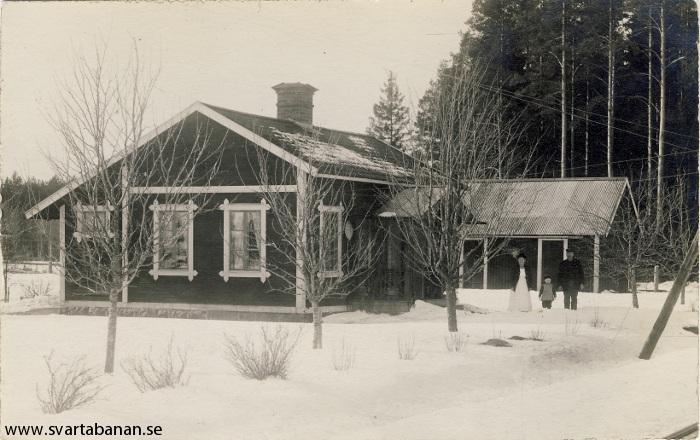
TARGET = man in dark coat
x,y
570,279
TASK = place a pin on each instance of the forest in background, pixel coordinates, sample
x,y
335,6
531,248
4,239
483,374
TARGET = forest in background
x,y
24,239
582,88
584,77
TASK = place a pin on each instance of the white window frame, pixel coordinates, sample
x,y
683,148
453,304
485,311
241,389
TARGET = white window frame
x,y
262,208
156,272
79,221
339,210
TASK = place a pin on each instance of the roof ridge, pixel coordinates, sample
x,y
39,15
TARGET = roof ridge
x,y
246,113
312,126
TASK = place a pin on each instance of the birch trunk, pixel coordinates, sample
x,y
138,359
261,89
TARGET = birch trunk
x,y
635,298
662,117
571,115
585,156
318,329
451,308
563,88
111,331
649,95
611,89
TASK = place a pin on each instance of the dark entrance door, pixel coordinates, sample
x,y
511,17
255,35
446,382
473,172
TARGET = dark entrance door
x,y
501,264
552,255
394,266
473,266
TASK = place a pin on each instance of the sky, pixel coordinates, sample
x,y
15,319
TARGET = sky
x,y
223,53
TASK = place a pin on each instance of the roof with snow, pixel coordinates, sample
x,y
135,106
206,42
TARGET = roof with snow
x,y
335,152
327,152
526,207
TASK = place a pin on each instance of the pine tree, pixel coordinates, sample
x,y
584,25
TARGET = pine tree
x,y
390,122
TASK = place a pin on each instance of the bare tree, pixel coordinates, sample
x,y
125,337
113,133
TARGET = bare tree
x,y
636,245
662,116
441,208
563,88
676,231
101,118
312,256
611,86
630,245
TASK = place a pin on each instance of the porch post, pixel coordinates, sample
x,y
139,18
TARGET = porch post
x,y
461,266
596,263
125,234
301,241
566,246
539,263
62,254
486,264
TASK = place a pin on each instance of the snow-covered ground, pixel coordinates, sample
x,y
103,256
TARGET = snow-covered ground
x,y
30,291
580,382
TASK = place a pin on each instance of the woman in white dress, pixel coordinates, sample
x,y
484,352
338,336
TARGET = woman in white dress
x,y
519,300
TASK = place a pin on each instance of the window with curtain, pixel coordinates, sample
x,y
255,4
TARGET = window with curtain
x,y
245,240
331,241
174,249
173,241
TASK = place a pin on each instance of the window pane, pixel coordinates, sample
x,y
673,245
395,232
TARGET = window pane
x,y
244,241
174,228
329,242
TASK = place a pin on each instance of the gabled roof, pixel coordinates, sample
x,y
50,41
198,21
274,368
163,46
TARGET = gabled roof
x,y
529,207
320,151
332,152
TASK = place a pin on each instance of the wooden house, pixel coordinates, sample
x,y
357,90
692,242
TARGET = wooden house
x,y
202,275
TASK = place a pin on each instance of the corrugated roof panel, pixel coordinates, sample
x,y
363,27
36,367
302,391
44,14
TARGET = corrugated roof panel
x,y
537,207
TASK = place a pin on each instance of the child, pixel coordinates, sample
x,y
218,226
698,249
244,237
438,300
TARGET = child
x,y
547,293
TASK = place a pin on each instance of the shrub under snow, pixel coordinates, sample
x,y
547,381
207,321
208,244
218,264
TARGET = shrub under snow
x,y
151,373
407,348
268,356
598,321
71,384
456,341
343,356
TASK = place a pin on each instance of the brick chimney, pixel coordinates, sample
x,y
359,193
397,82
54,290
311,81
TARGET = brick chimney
x,y
295,101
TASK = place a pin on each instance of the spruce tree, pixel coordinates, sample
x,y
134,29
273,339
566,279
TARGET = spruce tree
x,y
390,122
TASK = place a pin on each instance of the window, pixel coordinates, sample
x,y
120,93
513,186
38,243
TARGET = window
x,y
173,240
92,221
245,235
331,241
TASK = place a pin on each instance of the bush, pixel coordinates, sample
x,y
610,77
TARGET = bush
x,y
597,321
343,357
537,334
456,342
571,327
165,371
36,288
71,384
270,356
407,348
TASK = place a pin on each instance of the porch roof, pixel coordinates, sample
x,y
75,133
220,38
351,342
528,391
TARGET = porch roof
x,y
527,207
